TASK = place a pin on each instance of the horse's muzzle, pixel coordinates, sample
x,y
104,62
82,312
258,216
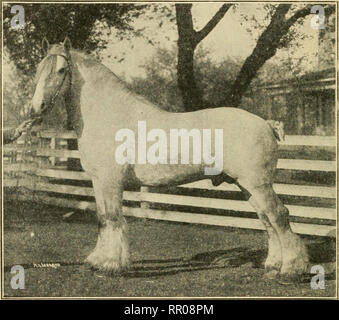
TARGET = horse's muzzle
x,y
42,110
36,117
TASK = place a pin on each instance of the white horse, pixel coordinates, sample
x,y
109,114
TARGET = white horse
x,y
99,104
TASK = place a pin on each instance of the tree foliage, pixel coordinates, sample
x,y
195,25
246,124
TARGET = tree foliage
x,y
215,81
84,24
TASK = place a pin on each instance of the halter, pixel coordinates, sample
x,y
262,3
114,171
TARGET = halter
x,y
56,94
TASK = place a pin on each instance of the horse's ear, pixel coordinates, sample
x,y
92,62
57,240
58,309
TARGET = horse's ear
x,y
67,45
45,45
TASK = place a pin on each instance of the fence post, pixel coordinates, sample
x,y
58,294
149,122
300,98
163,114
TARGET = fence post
x,y
270,108
143,204
53,147
41,161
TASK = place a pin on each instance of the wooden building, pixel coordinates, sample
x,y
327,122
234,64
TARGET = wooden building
x,y
305,104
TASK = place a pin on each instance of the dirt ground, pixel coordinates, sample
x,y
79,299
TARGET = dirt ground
x,y
168,259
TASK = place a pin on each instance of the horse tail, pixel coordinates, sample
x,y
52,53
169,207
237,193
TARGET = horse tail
x,y
278,129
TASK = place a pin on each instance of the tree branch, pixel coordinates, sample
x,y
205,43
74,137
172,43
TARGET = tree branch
x,y
185,22
278,22
200,35
299,14
267,46
302,13
281,10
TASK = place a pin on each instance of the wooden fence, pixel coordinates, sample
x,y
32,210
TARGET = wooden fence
x,y
306,181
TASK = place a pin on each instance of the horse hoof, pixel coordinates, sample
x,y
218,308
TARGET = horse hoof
x,y
111,270
271,274
111,252
106,265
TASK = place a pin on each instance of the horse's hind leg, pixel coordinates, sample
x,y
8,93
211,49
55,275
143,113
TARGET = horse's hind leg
x,y
273,261
294,253
111,251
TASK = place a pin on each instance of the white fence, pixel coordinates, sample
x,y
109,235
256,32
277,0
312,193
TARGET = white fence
x,y
306,181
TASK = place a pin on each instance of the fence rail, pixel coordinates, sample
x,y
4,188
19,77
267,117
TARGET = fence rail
x,y
38,163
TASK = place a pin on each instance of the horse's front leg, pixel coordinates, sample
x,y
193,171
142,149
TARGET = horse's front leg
x,y
111,251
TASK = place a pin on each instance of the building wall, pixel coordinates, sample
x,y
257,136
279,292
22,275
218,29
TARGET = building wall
x,y
307,106
305,112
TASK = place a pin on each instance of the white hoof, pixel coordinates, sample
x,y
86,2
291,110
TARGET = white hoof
x,y
295,257
111,251
271,274
273,263
274,256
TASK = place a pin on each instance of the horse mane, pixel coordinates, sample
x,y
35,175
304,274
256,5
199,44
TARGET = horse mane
x,y
89,60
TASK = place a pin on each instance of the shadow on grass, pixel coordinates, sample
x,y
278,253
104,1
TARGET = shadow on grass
x,y
321,252
235,257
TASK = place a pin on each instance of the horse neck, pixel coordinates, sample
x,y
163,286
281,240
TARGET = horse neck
x,y
113,95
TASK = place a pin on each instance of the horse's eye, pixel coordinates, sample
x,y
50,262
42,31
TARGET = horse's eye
x,y
62,70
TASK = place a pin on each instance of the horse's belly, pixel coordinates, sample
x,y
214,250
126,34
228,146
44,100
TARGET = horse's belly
x,y
163,174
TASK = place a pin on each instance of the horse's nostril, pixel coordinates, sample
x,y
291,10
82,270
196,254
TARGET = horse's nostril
x,y
43,107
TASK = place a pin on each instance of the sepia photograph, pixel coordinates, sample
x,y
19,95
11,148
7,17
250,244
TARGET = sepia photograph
x,y
169,150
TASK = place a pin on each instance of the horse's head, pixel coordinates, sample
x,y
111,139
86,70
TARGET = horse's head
x,y
53,78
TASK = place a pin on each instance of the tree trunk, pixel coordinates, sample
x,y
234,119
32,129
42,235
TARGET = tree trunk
x,y
191,95
248,71
187,42
266,47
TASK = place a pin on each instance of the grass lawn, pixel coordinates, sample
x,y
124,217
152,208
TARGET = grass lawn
x,y
168,259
